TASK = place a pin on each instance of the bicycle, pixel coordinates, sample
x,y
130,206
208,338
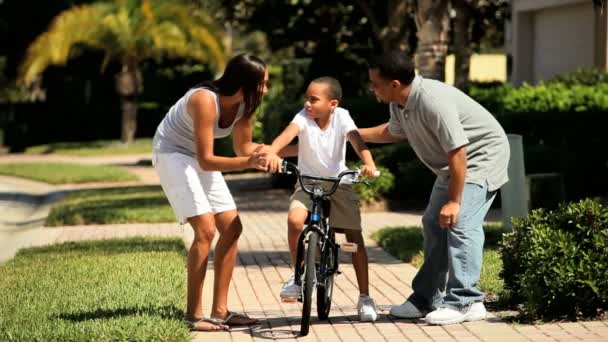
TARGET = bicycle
x,y
317,254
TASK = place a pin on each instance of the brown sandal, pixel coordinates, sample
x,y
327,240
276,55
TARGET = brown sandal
x,y
235,319
195,324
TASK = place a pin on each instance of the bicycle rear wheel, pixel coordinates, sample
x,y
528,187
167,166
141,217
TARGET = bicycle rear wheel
x,y
310,270
325,289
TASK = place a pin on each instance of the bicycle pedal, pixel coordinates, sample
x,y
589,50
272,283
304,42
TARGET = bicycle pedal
x,y
349,247
288,300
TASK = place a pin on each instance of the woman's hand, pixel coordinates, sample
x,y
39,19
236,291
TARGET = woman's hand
x,y
369,171
257,161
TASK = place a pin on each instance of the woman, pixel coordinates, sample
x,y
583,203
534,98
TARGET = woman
x,y
190,176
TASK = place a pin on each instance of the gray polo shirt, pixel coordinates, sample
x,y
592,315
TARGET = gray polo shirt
x,y
438,118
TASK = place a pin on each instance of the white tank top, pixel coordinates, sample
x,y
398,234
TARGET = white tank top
x,y
176,132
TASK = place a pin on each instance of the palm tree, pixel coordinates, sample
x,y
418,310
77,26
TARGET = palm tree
x,y
128,32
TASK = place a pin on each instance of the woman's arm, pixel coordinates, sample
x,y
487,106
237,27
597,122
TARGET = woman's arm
x,y
202,107
242,137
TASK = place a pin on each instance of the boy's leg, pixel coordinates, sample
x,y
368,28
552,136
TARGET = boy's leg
x,y
359,260
295,225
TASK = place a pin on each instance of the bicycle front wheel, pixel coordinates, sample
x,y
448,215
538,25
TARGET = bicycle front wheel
x,y
310,270
326,281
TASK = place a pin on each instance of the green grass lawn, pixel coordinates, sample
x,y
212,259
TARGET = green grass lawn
x,y
62,173
93,148
405,243
114,205
111,290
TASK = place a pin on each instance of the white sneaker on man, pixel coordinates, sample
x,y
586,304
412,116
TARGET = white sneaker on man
x,y
443,316
290,291
407,310
366,307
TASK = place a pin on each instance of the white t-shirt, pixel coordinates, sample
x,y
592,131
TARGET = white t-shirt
x,y
323,153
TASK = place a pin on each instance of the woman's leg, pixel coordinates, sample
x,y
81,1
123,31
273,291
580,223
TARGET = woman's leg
x,y
204,231
230,228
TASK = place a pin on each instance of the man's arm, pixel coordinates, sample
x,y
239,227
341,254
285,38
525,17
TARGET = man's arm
x,y
457,164
378,134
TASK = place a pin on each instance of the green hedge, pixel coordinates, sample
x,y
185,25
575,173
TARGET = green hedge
x,y
562,122
556,261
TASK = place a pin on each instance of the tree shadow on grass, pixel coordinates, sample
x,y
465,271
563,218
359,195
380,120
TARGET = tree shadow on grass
x,y
166,312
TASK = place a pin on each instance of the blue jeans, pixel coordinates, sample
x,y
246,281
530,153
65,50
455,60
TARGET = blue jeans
x,y
452,257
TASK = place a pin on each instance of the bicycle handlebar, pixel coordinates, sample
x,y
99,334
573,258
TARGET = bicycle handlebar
x,y
288,168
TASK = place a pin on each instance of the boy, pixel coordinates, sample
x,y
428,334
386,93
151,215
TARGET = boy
x,y
323,128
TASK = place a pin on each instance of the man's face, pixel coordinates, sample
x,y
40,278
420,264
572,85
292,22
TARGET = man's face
x,y
381,87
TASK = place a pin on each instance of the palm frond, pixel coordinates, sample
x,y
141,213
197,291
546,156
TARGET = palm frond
x,y
127,31
67,31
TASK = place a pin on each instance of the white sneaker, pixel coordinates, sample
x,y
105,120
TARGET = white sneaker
x,y
290,291
366,307
407,310
443,316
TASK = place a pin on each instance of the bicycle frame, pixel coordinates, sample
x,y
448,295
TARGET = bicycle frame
x,y
318,219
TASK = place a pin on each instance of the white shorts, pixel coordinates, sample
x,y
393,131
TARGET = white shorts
x,y
190,190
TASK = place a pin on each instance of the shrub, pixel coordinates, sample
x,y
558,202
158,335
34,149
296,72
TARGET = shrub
x,y
557,97
556,261
583,76
375,188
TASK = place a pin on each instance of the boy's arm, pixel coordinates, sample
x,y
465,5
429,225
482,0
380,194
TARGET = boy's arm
x,y
289,151
279,144
369,167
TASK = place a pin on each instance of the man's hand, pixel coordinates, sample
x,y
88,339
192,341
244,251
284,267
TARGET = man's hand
x,y
449,214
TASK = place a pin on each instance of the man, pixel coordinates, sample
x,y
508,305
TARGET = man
x,y
467,149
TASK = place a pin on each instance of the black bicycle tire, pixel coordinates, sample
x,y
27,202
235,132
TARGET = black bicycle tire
x,y
324,296
309,276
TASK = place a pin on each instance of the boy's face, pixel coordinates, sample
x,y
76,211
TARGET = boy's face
x,y
317,102
382,88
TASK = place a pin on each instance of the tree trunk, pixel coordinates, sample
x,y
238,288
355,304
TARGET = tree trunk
x,y
396,32
433,24
462,44
129,85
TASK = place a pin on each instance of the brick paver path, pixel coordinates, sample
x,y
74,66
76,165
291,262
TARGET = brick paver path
x,y
263,266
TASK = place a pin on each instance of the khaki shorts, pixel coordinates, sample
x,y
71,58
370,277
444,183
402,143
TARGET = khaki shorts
x,y
345,205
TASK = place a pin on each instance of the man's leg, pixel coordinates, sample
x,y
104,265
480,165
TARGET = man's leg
x,y
465,248
463,300
430,281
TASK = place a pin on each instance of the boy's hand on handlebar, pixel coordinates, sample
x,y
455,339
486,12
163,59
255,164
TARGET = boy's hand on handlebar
x,y
273,163
369,171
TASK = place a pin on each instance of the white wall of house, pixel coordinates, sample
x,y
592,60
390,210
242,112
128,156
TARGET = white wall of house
x,y
548,37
